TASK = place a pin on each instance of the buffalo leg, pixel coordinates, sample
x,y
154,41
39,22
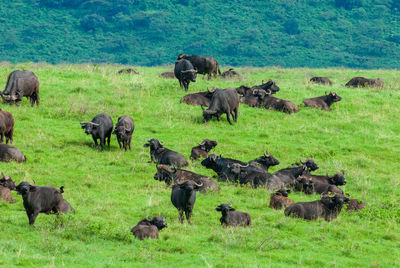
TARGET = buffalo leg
x,y
236,114
129,142
108,141
218,117
228,118
102,143
95,141
32,217
181,218
37,98
119,142
188,214
181,83
32,101
2,137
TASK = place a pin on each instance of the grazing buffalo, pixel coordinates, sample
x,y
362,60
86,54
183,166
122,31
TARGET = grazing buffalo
x,y
337,179
6,126
66,207
149,228
364,82
39,199
204,65
265,161
168,75
328,208
10,153
219,164
222,102
179,176
101,128
185,72
231,74
161,155
6,186
21,84
355,205
322,102
231,217
321,80
203,149
270,102
124,129
199,98
127,71
183,197
280,200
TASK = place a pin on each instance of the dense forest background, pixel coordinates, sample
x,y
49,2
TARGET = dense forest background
x,y
287,33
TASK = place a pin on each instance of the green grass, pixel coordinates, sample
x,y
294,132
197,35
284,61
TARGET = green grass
x,y
112,190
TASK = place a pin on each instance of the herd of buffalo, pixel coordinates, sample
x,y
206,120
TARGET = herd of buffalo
x,y
185,184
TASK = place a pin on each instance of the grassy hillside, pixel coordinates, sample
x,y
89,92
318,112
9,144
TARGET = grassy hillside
x,y
112,190
313,33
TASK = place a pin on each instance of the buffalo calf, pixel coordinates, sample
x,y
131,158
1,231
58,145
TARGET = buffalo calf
x,y
202,149
123,130
161,155
280,200
149,228
6,126
10,153
321,80
6,186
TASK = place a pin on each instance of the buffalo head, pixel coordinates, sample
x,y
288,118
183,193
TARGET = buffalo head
x,y
271,85
207,114
165,173
283,192
24,187
122,131
224,208
159,222
7,182
310,164
189,75
334,97
306,184
154,144
89,127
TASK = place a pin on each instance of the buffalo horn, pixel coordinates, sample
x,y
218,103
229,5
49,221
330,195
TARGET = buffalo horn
x,y
243,166
198,185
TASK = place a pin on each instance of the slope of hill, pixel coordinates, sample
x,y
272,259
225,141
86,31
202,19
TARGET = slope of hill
x,y
314,33
112,190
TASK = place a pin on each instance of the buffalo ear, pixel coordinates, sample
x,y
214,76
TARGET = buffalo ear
x,y
32,188
218,209
146,145
231,209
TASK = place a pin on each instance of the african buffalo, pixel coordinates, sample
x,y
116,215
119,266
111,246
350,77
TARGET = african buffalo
x,y
280,200
185,72
219,164
6,126
21,84
336,179
127,71
178,176
321,80
123,130
231,217
10,153
199,98
328,208
149,228
183,197
265,161
203,149
161,155
304,184
100,127
204,65
39,199
6,186
322,102
222,102
364,82
355,205
231,73
270,102
167,75
289,175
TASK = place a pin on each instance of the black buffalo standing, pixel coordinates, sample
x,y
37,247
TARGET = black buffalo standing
x,y
101,128
222,102
124,129
21,84
39,199
183,197
204,65
161,155
185,72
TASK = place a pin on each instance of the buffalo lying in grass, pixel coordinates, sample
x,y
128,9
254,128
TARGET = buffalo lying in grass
x,y
149,228
270,102
161,155
321,80
231,217
322,102
202,149
9,153
198,98
280,200
364,82
6,186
